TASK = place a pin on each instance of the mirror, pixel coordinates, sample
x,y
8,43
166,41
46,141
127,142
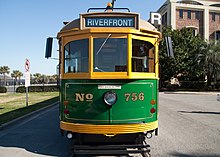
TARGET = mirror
x,y
49,45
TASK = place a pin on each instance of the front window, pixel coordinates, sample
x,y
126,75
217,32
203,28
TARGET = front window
x,y
110,54
143,56
76,56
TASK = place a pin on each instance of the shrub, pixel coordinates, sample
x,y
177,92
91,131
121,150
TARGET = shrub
x,y
3,89
22,89
193,85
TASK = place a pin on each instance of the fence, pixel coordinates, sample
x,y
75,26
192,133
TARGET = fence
x,y
12,85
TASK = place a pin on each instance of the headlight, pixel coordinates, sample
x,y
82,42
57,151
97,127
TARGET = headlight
x,y
110,98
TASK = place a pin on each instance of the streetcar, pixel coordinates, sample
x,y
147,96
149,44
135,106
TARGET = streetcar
x,y
109,72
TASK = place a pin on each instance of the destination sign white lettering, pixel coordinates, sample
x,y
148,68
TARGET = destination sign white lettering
x,y
110,22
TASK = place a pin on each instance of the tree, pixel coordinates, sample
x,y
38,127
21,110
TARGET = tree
x,y
53,78
45,79
17,75
209,60
41,78
4,70
37,78
185,47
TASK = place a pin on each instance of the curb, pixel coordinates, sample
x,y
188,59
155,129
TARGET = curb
x,y
10,123
193,93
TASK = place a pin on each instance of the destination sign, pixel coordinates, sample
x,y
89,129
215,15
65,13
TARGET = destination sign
x,y
110,22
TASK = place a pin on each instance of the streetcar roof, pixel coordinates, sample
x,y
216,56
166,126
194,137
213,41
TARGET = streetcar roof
x,y
72,25
76,25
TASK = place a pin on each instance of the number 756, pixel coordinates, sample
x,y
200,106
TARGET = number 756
x,y
134,96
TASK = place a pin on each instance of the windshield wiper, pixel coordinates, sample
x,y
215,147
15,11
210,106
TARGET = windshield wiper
x,y
96,68
103,44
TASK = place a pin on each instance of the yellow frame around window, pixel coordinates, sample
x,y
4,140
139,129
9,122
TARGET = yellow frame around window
x,y
65,41
107,75
143,75
90,34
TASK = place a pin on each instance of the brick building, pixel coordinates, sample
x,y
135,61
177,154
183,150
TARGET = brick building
x,y
202,16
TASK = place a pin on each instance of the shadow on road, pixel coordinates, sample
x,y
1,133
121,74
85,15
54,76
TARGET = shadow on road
x,y
177,154
199,112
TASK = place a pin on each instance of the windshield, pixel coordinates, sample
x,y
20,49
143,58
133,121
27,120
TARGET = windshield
x,y
110,54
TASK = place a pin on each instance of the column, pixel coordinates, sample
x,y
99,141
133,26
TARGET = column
x,y
206,24
173,15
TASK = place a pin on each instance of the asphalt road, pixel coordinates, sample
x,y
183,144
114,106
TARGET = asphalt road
x,y
37,136
189,126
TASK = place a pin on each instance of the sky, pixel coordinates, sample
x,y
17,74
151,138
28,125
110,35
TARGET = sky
x,y
25,25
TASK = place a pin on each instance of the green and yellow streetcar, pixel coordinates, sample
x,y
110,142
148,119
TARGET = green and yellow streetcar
x,y
108,81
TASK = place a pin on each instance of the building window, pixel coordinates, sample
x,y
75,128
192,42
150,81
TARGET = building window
x,y
197,15
181,13
189,14
213,16
164,19
193,30
217,35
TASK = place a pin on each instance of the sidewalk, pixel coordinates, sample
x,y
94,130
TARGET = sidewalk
x,y
189,92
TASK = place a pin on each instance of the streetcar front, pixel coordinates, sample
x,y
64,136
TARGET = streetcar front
x,y
109,78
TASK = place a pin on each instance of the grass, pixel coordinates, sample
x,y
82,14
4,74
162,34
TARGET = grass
x,y
13,105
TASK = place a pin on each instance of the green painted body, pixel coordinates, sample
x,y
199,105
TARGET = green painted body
x,y
86,105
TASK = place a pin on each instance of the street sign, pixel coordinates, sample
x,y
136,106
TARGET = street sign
x,y
27,79
27,65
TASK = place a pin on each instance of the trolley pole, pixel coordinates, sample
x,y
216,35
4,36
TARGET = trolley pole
x,y
27,78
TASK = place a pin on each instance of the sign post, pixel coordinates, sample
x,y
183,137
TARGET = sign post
x,y
27,78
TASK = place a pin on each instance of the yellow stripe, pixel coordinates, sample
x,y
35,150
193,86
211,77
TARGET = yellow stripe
x,y
108,129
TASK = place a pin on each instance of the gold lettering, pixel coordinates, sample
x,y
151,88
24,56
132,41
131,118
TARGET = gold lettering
x,y
89,97
134,96
127,96
141,96
79,97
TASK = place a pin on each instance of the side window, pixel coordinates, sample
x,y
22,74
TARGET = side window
x,y
76,56
143,56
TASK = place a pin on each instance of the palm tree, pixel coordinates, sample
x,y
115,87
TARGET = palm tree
x,y
4,70
209,60
53,78
17,75
37,77
45,79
